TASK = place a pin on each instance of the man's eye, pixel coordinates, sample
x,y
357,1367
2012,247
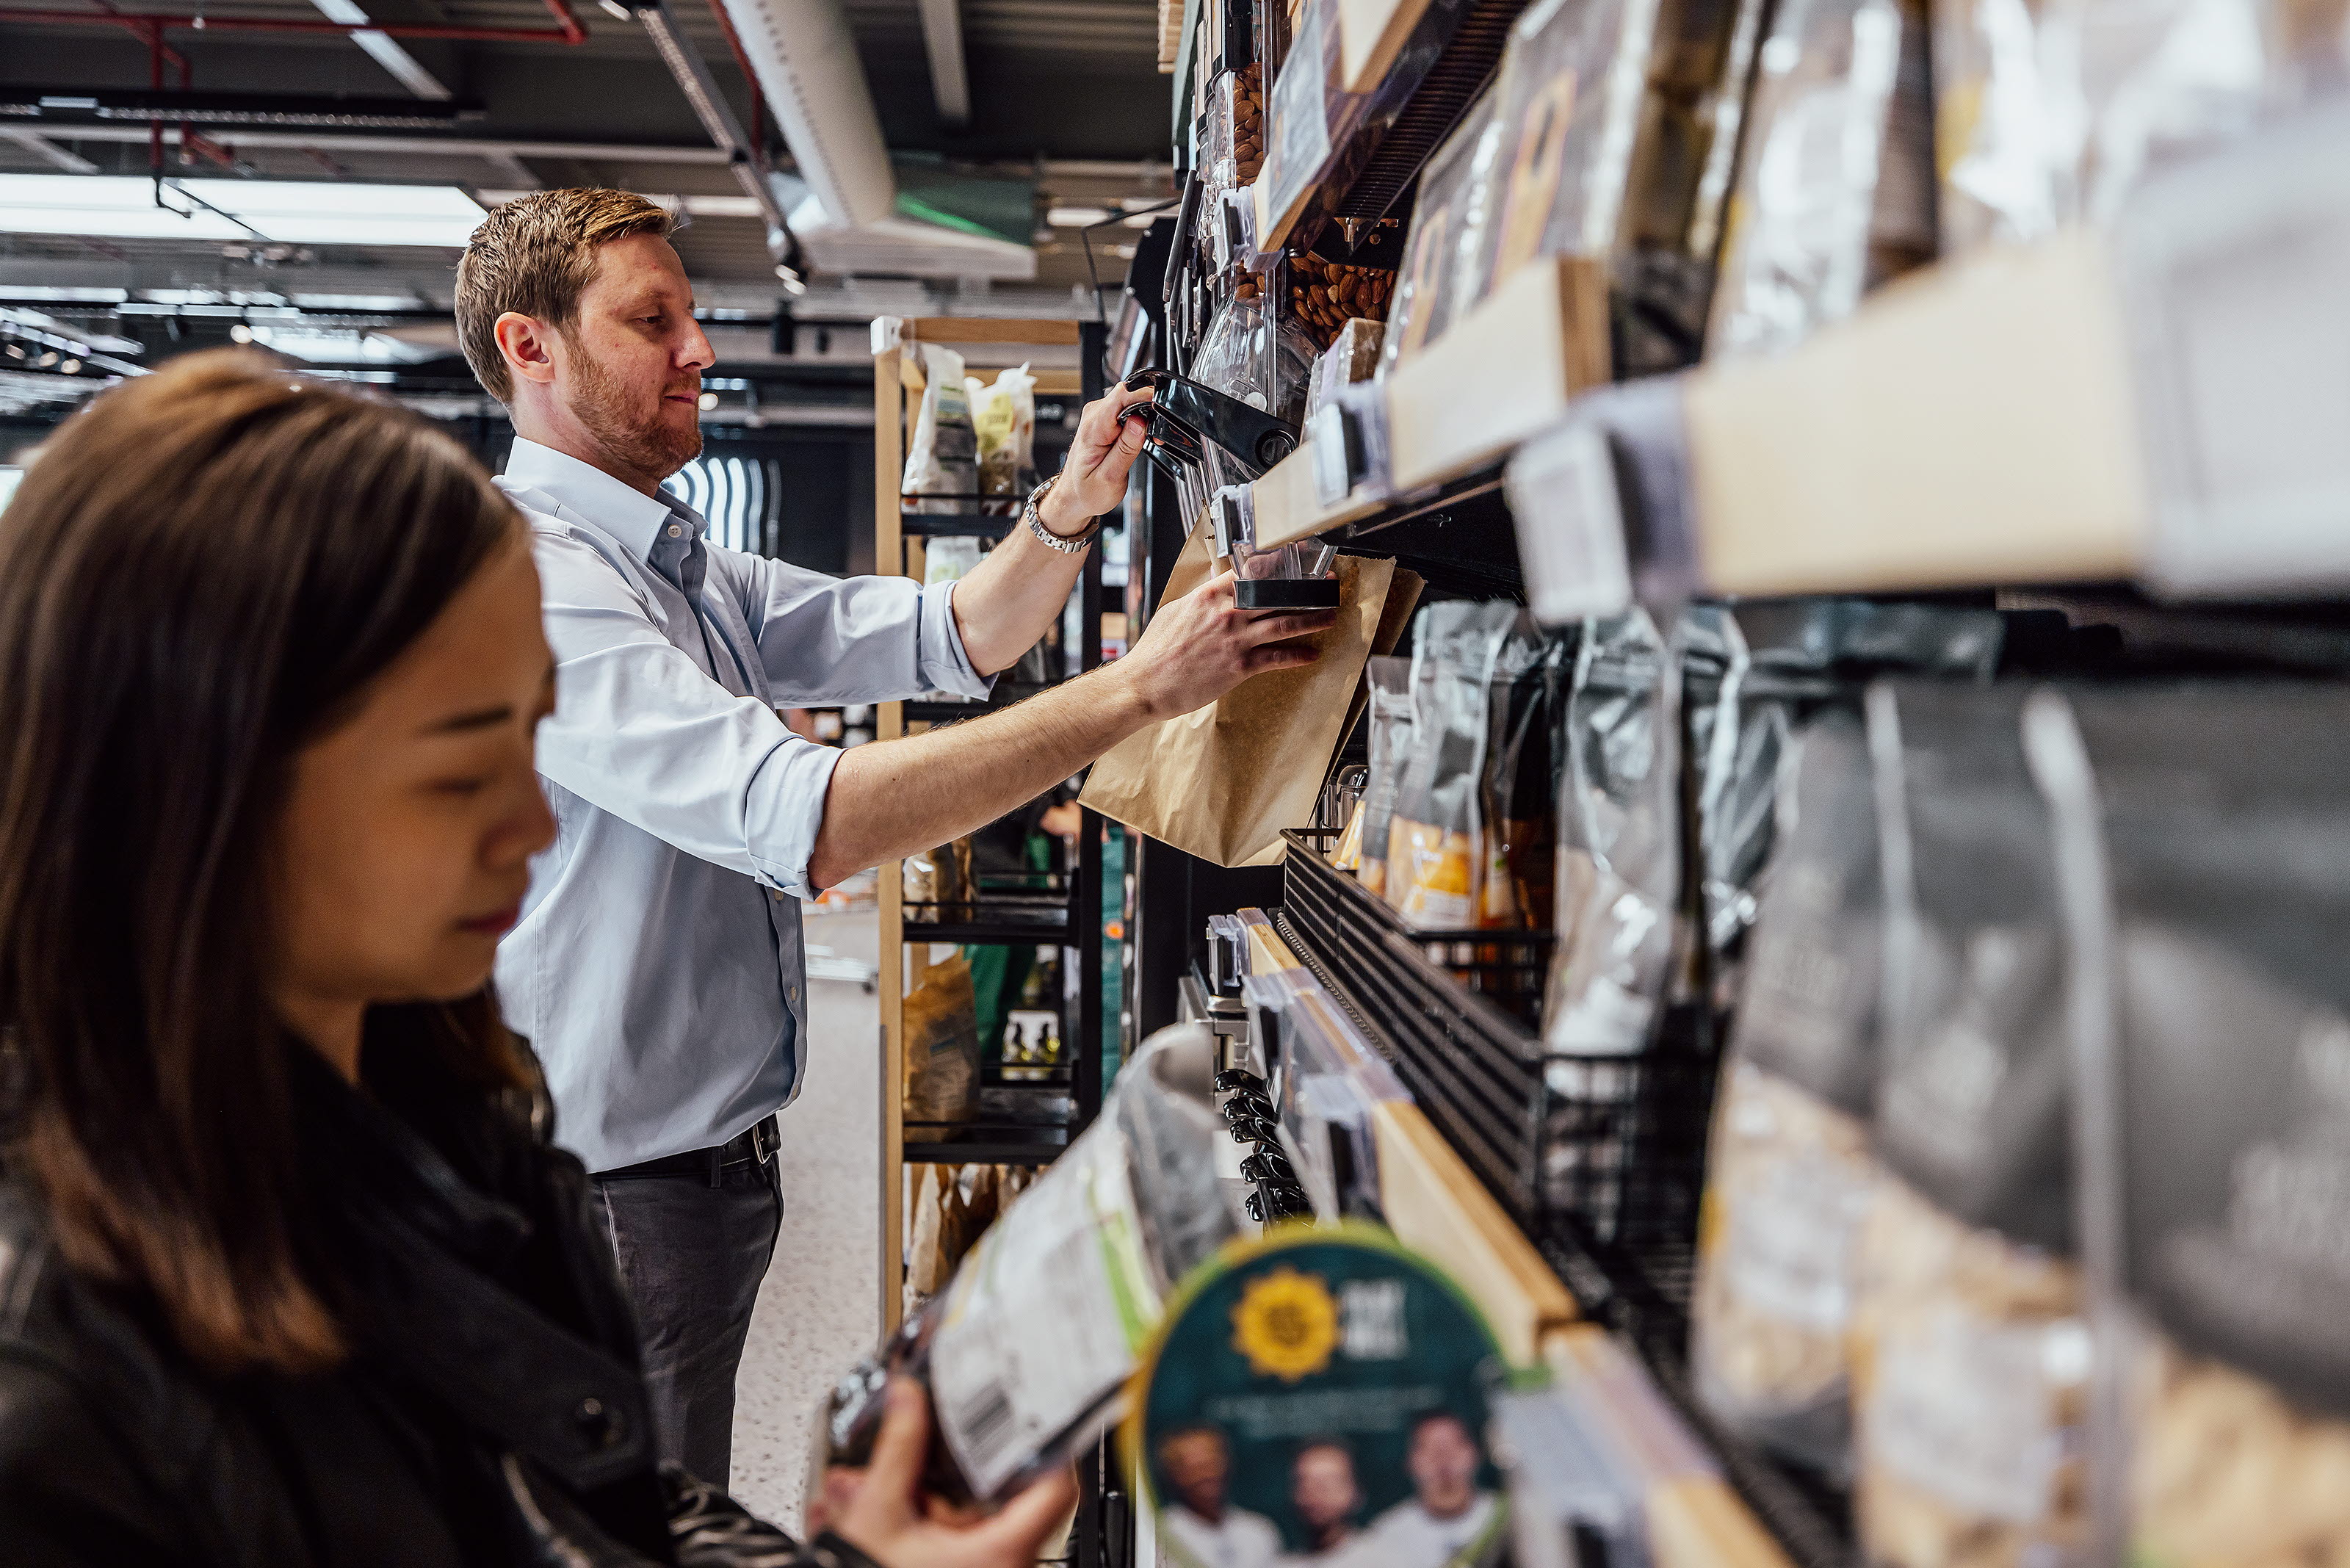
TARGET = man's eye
x,y
460,787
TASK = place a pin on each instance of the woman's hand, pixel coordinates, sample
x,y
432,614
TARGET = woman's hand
x,y
889,1519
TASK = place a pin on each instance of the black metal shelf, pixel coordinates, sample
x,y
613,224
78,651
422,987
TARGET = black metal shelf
x,y
1005,694
981,1143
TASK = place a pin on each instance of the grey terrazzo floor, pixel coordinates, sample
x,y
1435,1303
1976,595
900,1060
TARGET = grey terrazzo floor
x,y
820,1309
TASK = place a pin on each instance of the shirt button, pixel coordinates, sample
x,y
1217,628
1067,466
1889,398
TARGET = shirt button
x,y
792,995
675,531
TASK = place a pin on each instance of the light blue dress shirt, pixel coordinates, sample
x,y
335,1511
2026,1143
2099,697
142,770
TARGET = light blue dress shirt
x,y
657,967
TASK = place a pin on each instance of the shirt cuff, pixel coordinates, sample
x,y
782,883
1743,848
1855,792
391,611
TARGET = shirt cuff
x,y
945,665
787,813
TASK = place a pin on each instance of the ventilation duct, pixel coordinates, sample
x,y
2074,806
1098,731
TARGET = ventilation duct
x,y
842,206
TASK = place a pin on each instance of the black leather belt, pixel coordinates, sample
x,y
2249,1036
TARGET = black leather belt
x,y
754,1147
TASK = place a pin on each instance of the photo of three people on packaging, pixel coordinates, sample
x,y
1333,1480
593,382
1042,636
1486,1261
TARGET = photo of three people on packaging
x,y
1335,1511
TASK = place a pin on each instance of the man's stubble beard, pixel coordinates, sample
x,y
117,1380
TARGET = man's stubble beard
x,y
649,448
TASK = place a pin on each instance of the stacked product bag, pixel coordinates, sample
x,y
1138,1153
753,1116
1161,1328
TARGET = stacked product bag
x,y
1608,136
1618,834
1755,673
1028,1351
1789,1177
2205,840
1387,718
1446,870
1835,183
1970,1347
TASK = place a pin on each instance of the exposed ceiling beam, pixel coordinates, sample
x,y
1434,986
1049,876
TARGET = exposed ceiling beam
x,y
950,77
32,141
385,50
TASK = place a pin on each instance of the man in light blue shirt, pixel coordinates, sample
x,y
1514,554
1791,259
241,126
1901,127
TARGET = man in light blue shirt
x,y
657,962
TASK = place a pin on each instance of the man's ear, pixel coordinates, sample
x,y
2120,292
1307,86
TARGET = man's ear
x,y
527,346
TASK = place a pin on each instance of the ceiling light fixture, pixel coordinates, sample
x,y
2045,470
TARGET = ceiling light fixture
x,y
709,401
240,332
792,281
142,105
71,367
288,212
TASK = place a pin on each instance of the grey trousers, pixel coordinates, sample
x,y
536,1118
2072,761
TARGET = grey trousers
x,y
691,1256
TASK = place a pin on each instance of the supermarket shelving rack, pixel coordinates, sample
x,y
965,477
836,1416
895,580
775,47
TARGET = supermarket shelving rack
x,y
1063,910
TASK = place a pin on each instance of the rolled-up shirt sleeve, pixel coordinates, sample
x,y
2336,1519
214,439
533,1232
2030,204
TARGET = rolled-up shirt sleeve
x,y
640,732
827,639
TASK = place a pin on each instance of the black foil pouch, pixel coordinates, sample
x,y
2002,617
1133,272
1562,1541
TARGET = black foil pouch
x,y
2205,837
1973,1095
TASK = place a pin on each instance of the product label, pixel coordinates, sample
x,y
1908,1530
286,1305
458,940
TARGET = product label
x,y
1791,1235
1046,1318
1963,1411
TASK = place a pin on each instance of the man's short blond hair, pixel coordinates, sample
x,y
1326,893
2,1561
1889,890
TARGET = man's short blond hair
x,y
535,256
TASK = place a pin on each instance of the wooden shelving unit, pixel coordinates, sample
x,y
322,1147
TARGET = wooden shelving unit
x,y
1067,917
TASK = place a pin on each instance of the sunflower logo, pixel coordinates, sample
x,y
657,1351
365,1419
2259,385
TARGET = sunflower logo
x,y
1286,1325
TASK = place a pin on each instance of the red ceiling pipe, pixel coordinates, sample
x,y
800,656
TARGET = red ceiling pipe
x,y
566,29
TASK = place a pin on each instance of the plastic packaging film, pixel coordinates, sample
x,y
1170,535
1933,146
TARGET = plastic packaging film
x,y
1422,306
942,459
1835,188
1390,742
2202,833
1438,841
1970,1347
1029,1349
1619,855
1790,1173
1567,106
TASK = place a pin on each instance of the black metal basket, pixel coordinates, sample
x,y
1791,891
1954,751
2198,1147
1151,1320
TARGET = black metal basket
x,y
1601,1159
1610,1149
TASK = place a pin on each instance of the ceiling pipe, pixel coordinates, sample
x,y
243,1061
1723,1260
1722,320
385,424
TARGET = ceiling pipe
x,y
747,161
806,61
950,74
567,29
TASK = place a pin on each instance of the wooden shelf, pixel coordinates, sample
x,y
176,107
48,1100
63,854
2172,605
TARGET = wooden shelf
x,y
899,546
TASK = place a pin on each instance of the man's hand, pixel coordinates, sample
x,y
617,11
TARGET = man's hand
x,y
1202,645
1093,480
896,797
886,1515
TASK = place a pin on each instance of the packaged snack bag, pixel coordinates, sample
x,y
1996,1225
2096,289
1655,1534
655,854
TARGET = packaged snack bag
x,y
1437,844
2205,840
1789,1177
1969,1345
1390,743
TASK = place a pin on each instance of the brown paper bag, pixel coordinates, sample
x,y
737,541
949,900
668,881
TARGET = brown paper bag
x,y
1222,782
940,1024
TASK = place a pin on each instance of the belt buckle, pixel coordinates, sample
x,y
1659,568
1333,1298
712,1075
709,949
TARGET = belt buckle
x,y
766,1139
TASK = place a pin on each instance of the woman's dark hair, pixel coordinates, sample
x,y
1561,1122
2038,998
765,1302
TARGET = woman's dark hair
x,y
201,573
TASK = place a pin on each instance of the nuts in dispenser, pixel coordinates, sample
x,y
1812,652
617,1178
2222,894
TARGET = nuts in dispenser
x,y
1324,295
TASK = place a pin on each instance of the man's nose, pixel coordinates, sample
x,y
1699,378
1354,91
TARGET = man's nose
x,y
697,354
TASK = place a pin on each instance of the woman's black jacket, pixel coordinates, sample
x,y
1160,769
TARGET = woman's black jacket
x,y
491,1411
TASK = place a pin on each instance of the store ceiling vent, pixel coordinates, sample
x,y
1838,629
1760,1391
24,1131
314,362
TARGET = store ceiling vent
x,y
806,61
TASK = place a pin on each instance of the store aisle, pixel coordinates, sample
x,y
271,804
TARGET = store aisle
x,y
820,1309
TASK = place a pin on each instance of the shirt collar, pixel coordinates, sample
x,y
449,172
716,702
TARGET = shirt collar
x,y
630,515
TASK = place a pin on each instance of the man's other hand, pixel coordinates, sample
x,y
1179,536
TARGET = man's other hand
x,y
1093,480
1202,645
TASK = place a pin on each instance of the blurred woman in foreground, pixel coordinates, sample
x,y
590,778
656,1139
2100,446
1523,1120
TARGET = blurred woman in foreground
x,y
289,1270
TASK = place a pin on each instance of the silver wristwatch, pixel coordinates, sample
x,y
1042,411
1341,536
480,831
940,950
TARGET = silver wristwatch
x,y
1070,545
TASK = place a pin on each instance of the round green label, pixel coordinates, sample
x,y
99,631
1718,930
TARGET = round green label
x,y
1316,1401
